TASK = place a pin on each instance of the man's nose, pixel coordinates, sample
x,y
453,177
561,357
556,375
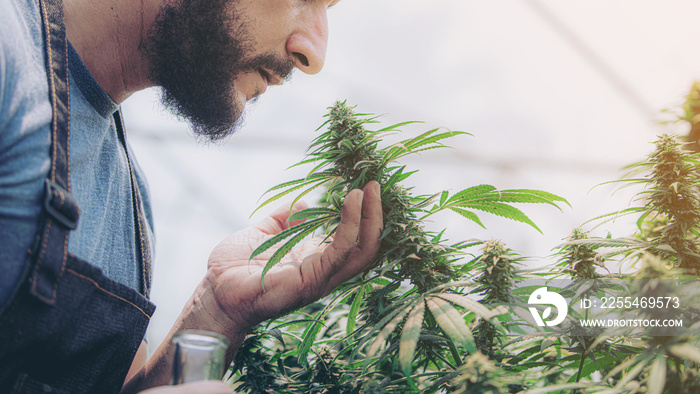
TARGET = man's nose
x,y
307,44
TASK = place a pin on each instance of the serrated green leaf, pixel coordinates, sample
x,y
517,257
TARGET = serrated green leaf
x,y
561,387
469,215
640,221
305,161
583,288
547,342
634,372
451,285
404,176
419,140
470,305
347,144
305,229
295,321
427,148
686,351
426,201
285,192
307,191
286,248
430,137
282,235
314,172
309,336
623,366
409,337
610,243
451,322
286,184
380,281
396,126
277,334
657,376
393,178
288,232
524,198
471,192
603,363
443,197
310,213
614,215
354,308
386,330
504,210
538,193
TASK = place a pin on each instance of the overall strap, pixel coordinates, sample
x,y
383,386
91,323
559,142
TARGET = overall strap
x,y
142,242
61,211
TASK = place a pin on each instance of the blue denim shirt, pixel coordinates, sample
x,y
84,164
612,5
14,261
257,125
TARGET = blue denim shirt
x,y
100,180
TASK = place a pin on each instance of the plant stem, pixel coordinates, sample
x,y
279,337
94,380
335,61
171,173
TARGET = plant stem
x,y
580,367
583,357
438,355
455,353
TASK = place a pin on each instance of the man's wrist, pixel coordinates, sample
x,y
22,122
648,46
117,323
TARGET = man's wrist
x,y
206,313
202,312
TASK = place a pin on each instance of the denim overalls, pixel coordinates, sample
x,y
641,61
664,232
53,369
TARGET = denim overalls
x,y
67,328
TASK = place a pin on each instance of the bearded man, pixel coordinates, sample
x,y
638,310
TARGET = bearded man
x,y
75,218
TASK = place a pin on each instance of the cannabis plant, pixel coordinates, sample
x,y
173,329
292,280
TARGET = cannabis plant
x,y
666,249
407,323
434,316
669,216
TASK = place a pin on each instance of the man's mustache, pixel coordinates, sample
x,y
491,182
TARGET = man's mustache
x,y
281,67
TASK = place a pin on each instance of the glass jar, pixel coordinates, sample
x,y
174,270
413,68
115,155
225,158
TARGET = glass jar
x,y
199,355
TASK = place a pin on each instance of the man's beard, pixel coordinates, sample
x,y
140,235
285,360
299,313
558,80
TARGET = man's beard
x,y
195,49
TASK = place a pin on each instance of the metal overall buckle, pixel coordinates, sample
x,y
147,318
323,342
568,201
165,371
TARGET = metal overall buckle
x,y
60,205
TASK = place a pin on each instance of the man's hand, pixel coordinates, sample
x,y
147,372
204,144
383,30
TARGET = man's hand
x,y
230,299
310,271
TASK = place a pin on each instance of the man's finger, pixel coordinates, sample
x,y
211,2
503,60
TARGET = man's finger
x,y
348,229
371,225
372,221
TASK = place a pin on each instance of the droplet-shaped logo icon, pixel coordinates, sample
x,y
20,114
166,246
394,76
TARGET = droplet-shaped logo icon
x,y
543,297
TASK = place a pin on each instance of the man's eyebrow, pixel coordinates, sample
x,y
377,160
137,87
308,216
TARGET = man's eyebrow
x,y
334,2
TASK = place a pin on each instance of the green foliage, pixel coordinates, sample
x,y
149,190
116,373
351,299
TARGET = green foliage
x,y
433,316
479,375
669,219
666,247
579,259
